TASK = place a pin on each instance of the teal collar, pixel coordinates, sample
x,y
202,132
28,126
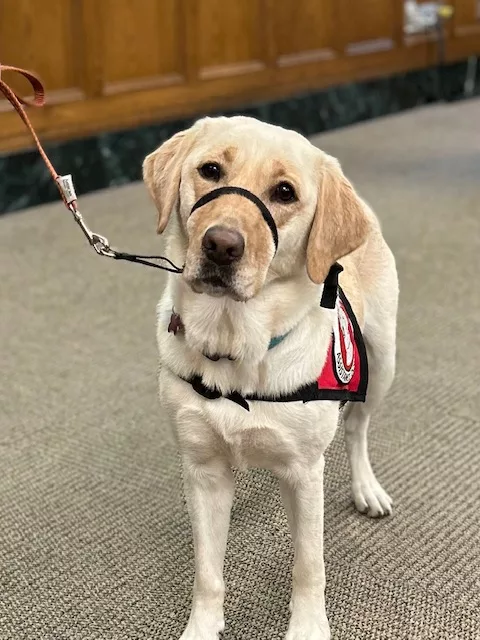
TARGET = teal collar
x,y
276,341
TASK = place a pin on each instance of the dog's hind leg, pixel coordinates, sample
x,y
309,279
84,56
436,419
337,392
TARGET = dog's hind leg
x,y
380,337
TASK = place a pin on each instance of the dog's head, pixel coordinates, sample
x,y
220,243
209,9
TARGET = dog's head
x,y
230,248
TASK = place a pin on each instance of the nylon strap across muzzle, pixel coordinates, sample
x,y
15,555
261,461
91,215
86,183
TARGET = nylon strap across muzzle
x,y
245,193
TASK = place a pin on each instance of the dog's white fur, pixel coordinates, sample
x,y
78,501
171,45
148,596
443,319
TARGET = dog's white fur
x,y
288,438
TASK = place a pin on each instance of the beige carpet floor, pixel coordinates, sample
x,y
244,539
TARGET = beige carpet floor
x,y
94,538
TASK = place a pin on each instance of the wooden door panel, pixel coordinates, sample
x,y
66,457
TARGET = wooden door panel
x,y
46,39
466,18
229,38
368,26
304,31
110,64
142,44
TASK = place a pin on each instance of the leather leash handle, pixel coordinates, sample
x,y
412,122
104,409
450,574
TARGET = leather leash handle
x,y
37,86
19,103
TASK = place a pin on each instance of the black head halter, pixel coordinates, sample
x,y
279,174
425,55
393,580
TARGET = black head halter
x,y
221,191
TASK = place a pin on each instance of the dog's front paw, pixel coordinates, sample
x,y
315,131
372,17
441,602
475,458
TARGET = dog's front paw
x,y
197,633
313,626
308,631
203,628
192,633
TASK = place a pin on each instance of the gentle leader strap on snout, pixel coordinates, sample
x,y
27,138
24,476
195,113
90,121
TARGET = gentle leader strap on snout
x,y
221,191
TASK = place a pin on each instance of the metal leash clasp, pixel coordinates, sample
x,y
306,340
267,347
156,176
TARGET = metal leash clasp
x,y
102,246
98,242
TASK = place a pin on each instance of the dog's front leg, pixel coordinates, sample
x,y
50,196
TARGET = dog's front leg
x,y
209,489
303,498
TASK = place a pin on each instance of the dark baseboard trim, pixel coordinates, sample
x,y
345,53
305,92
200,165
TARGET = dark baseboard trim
x,y
115,158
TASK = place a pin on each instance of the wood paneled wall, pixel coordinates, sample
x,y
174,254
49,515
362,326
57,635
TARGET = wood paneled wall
x,y
109,64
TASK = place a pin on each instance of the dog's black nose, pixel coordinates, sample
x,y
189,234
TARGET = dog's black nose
x,y
223,246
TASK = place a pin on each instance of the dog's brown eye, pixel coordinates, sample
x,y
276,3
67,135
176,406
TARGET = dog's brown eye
x,y
211,171
284,192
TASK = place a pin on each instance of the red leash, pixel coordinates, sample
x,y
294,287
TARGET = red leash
x,y
65,183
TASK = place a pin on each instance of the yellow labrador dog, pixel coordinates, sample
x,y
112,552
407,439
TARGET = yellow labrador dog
x,y
260,219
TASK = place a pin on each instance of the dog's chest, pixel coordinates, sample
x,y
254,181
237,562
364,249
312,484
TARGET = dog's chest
x,y
218,332
278,438
275,435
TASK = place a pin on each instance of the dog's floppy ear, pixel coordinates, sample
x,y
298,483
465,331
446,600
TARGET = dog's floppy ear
x,y
340,224
161,173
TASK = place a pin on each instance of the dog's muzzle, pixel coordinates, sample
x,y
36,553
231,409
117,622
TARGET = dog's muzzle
x,y
245,193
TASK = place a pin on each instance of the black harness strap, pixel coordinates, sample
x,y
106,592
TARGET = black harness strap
x,y
330,287
308,393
